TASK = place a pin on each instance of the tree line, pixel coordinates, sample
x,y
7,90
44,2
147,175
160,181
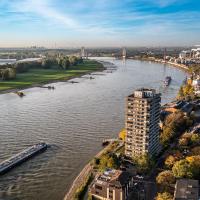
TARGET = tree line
x,y
9,71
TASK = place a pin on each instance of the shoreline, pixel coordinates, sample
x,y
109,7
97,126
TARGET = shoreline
x,y
180,66
14,90
87,169
104,67
47,82
83,174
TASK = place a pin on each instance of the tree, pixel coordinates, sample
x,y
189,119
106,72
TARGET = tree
x,y
59,61
194,162
122,134
181,93
169,162
4,74
166,135
174,124
108,161
21,67
164,196
65,63
96,161
111,163
183,141
182,169
143,162
11,73
195,138
165,179
195,151
73,60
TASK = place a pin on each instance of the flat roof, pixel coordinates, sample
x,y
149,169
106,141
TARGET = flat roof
x,y
187,189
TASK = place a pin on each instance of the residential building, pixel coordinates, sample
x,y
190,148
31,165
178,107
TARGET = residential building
x,y
186,189
184,54
111,185
142,123
196,85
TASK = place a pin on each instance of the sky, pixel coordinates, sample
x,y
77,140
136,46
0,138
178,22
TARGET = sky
x,y
99,23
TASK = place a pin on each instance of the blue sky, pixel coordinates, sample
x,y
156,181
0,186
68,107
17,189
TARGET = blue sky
x,y
74,23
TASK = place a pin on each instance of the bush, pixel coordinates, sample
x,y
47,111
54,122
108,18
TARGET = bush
x,y
82,190
108,161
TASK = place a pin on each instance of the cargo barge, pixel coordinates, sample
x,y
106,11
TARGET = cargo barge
x,y
21,157
167,81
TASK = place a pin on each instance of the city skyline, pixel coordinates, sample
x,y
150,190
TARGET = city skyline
x,y
115,23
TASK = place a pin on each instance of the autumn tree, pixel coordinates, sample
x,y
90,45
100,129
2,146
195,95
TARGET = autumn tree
x,y
164,196
181,169
194,162
165,179
143,162
171,159
174,124
122,134
195,151
108,161
187,168
195,139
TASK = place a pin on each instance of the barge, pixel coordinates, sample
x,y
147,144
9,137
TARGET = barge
x,y
21,157
167,81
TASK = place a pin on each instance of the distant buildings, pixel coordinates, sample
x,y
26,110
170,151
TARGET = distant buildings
x,y
191,56
196,85
111,185
186,189
142,123
195,53
184,54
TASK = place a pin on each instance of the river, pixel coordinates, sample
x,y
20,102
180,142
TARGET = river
x,y
73,119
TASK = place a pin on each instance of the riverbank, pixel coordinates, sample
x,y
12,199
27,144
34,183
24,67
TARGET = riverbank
x,y
181,66
83,175
88,168
38,77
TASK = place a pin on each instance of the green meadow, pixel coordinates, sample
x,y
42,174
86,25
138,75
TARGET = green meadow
x,y
41,76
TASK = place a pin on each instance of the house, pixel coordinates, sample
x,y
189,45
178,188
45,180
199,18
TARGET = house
x,y
186,189
111,185
196,85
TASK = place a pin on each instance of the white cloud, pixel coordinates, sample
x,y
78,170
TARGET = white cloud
x,y
43,9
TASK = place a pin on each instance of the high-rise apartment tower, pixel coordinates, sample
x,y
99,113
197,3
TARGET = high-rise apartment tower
x,y
142,123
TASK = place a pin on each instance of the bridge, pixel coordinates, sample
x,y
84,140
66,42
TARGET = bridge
x,y
122,53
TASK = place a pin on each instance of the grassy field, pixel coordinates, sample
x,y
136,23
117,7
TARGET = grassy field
x,y
41,76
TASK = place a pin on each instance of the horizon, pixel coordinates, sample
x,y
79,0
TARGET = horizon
x,y
99,24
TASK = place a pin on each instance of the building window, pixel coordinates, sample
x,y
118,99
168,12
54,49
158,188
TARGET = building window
x,y
98,187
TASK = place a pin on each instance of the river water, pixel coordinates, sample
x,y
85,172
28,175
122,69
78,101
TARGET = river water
x,y
73,119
